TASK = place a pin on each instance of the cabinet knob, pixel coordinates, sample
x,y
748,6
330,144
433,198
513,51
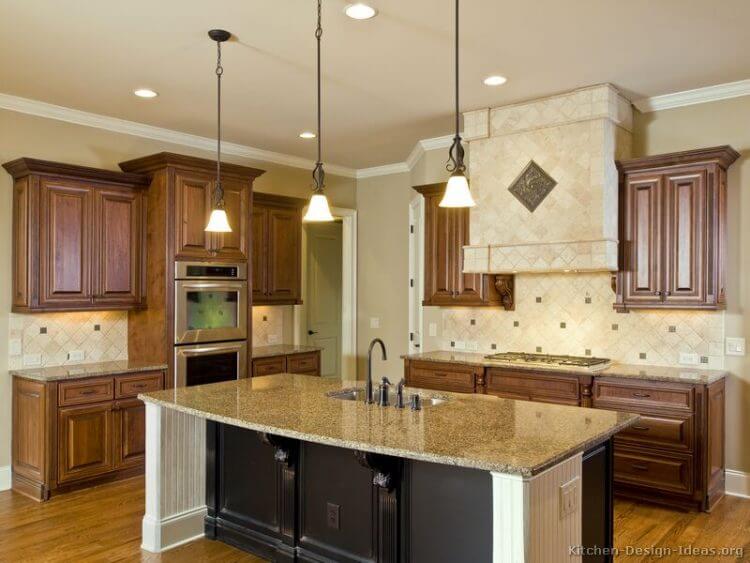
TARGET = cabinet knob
x,y
657,292
667,293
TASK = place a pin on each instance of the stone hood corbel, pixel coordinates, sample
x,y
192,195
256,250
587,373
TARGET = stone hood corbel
x,y
544,177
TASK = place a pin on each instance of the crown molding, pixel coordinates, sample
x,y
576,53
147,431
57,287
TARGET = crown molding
x,y
692,97
385,170
78,117
416,153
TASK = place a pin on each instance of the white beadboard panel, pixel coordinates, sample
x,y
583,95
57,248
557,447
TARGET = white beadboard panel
x,y
527,525
175,478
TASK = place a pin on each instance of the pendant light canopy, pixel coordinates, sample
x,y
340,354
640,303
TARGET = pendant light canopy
x,y
318,210
457,193
218,222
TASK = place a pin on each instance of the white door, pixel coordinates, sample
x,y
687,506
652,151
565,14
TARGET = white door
x,y
416,267
323,301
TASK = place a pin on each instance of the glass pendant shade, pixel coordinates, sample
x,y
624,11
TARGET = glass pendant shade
x,y
318,210
218,222
457,193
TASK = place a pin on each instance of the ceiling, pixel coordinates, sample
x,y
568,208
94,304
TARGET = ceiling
x,y
387,81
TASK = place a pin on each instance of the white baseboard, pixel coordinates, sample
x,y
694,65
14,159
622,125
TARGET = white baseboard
x,y
172,531
5,480
737,483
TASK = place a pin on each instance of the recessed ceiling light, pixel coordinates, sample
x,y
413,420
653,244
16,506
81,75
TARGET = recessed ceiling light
x,y
145,93
360,11
307,135
495,80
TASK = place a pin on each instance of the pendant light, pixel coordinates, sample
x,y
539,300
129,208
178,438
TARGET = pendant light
x,y
457,193
218,222
318,210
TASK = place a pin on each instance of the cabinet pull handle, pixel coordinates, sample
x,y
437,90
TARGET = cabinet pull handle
x,y
642,395
667,292
641,428
639,466
88,392
657,292
139,386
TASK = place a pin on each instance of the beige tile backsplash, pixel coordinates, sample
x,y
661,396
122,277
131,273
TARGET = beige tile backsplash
x,y
268,325
100,335
572,314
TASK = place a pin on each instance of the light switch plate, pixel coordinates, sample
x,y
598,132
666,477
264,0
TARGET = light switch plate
x,y
76,356
735,346
374,322
689,359
433,329
274,339
32,360
14,347
569,497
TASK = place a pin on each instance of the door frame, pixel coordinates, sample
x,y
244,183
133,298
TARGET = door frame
x,y
416,272
348,292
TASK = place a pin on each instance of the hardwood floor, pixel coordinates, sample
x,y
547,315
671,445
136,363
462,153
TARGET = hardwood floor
x,y
104,524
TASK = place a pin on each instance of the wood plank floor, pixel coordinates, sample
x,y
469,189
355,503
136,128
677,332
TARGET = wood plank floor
x,y
104,524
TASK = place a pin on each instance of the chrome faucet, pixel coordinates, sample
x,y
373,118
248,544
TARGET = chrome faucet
x,y
368,384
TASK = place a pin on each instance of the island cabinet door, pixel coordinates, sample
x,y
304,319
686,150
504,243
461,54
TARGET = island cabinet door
x,y
85,442
129,433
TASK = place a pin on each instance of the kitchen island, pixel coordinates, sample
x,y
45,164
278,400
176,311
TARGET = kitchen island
x,y
279,467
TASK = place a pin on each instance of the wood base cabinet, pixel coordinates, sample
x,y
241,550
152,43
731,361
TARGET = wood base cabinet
x,y
75,433
673,215
306,363
79,237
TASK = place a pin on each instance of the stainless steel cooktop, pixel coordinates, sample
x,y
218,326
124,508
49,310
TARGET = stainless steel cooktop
x,y
587,362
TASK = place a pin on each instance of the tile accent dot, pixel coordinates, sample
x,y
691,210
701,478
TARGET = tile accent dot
x,y
97,328
42,330
588,351
493,346
704,359
453,344
588,301
473,322
615,326
538,299
265,318
539,349
672,328
642,355
563,325
516,323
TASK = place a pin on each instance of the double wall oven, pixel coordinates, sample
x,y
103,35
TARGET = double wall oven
x,y
210,332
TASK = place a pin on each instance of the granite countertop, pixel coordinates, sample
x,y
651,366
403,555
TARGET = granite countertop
x,y
282,350
681,374
475,431
81,371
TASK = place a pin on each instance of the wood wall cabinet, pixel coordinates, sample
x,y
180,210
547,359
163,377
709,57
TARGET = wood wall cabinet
x,y
73,433
673,230
79,237
277,249
304,363
446,232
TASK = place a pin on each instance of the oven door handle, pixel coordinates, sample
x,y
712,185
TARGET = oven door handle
x,y
192,351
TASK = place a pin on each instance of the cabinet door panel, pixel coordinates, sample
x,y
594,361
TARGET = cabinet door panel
x,y
193,201
233,246
468,286
685,223
130,433
119,245
439,283
260,253
65,245
85,442
284,233
643,220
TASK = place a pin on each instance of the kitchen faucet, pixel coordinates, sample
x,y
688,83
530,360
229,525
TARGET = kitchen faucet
x,y
368,384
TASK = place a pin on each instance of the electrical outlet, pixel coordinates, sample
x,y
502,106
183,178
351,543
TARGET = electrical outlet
x,y
433,329
471,345
274,339
333,513
32,360
569,497
689,359
76,356
735,346
460,345
14,347
374,322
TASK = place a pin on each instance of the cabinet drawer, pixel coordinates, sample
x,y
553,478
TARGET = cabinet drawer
x,y
635,396
130,385
269,366
302,363
533,386
673,473
443,377
84,391
660,431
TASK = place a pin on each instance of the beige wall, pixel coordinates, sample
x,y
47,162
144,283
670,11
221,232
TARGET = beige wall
x,y
25,135
719,123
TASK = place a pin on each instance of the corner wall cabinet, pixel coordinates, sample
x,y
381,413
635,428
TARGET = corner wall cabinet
x,y
79,237
277,249
446,232
673,211
73,433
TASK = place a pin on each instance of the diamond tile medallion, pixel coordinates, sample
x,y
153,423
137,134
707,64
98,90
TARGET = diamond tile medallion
x,y
532,186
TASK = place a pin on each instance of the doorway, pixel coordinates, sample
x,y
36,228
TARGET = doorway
x,y
327,318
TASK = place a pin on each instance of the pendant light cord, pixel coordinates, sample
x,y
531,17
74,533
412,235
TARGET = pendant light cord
x,y
318,173
219,192
456,153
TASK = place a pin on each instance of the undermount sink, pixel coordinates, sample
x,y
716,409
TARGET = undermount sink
x,y
358,394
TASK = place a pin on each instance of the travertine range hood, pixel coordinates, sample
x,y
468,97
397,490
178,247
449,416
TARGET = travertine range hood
x,y
544,177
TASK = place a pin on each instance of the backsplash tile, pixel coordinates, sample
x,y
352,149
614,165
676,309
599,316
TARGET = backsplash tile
x,y
101,335
268,325
590,328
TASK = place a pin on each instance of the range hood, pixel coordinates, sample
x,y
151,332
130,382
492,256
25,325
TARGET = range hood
x,y
544,178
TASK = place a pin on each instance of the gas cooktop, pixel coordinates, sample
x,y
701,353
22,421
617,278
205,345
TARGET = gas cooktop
x,y
587,362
